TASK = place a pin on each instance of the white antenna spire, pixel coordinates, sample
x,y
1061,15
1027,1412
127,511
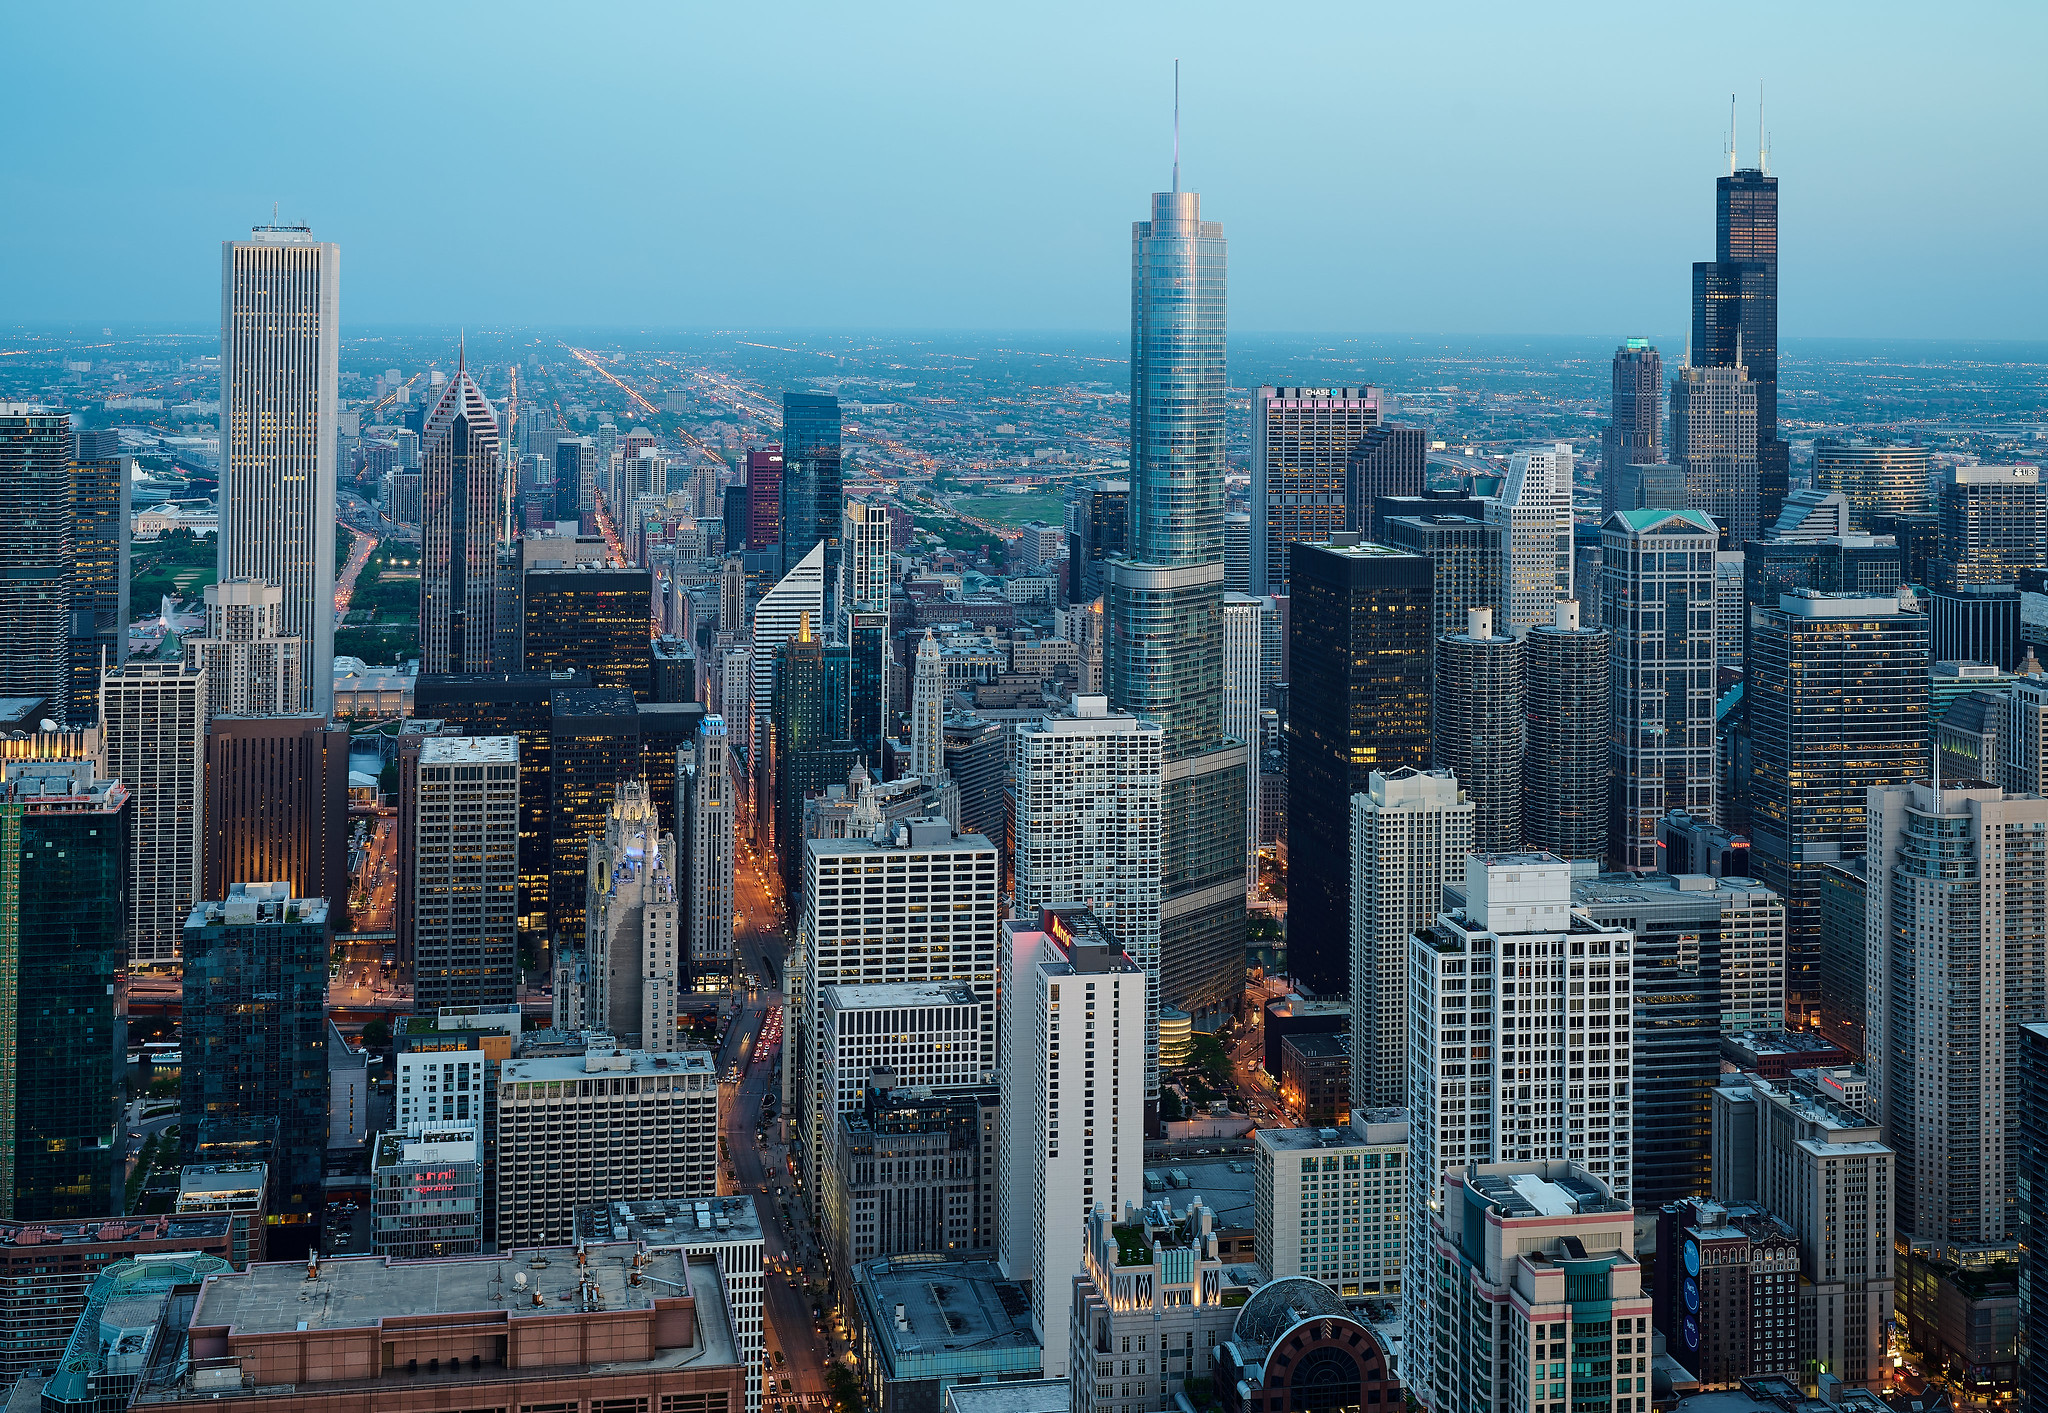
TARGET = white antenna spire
x,y
1176,126
1763,139
1731,134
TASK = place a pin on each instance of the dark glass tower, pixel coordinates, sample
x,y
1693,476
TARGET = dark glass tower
x,y
1359,700
1389,460
36,545
276,805
1837,691
1735,314
63,905
1164,610
1098,524
594,744
99,579
764,498
812,494
592,620
867,684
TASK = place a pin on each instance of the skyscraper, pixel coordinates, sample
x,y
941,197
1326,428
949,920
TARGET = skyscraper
x,y
1464,556
251,667
864,562
100,567
1358,703
64,839
280,338
1164,654
928,692
1565,753
1244,696
1837,696
1658,599
1411,832
1634,433
153,724
1879,480
764,498
782,610
1714,440
1098,526
37,545
459,840
1534,514
594,744
1735,320
1089,832
811,492
597,620
276,805
704,824
461,486
1955,916
1994,523
1237,552
1389,460
1302,440
1476,724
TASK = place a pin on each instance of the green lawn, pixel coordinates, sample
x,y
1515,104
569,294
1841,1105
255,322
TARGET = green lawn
x,y
1042,506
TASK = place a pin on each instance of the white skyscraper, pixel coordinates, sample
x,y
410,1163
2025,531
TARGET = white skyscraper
x,y
1534,513
459,835
1072,1131
928,691
863,559
704,815
1244,620
280,338
1410,833
153,731
777,618
914,903
1520,1047
1955,928
1088,831
632,939
250,669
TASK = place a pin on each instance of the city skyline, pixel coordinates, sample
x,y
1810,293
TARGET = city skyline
x,y
1037,114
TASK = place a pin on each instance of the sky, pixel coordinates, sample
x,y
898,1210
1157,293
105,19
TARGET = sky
x,y
1478,168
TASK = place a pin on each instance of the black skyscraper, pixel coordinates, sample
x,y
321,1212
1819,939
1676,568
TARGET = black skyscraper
x,y
1634,435
1359,701
1735,313
812,490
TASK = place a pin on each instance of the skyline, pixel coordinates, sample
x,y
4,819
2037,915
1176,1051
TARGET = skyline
x,y
1484,218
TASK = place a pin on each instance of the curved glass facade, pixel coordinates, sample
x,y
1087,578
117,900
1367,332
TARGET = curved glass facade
x,y
1178,279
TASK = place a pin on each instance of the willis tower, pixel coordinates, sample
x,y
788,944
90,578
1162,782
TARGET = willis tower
x,y
1735,311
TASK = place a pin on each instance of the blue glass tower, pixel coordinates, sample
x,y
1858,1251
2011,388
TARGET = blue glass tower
x,y
1164,606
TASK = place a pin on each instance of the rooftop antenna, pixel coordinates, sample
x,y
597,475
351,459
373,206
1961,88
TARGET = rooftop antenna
x,y
1731,134
1176,126
1763,141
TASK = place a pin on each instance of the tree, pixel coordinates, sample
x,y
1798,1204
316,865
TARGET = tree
x,y
376,1035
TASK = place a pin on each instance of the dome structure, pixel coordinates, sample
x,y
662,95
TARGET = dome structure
x,y
1277,1305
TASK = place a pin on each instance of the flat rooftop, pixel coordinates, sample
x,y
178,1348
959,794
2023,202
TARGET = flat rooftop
x,y
1318,1044
354,1292
222,1177
100,1232
1223,1185
884,995
1303,1140
705,1222
947,1306
1016,1396
616,1062
469,750
1531,1194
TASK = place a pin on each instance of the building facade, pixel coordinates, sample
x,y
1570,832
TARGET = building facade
x,y
1329,1205
705,812
459,841
37,535
1878,480
463,514
276,805
912,1171
1302,440
1476,726
1565,754
153,728
1634,434
1534,514
1714,440
251,667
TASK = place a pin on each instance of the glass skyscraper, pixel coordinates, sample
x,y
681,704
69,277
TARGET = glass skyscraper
x,y
1165,598
812,492
1735,315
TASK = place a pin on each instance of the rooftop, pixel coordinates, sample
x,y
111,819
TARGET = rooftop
x,y
1222,1186
1301,1140
709,1221
468,750
1318,1044
268,903
885,995
1546,1189
1015,1396
946,1307
197,1178
98,1232
606,1060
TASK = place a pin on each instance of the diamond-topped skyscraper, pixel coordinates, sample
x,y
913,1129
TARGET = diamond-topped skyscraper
x,y
280,340
1165,600
460,485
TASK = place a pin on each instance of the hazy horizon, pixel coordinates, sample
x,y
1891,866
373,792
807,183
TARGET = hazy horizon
x,y
1512,173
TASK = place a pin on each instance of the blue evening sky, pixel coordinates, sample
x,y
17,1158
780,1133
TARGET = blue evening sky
x,y
1469,168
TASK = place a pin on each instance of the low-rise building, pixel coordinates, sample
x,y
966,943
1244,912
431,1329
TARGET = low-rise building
x,y
1295,1345
1315,1078
426,1194
608,1125
129,1317
1728,1301
1152,1302
238,1191
1774,1054
1331,1202
47,1270
1014,1396
913,1170
927,1323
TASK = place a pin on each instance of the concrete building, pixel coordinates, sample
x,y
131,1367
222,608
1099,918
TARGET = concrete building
x,y
458,838
1089,831
928,693
1822,1168
255,1029
856,928
280,344
1411,832
252,667
1534,514
926,1034
705,812
1956,911
1714,440
1565,753
1152,1286
238,1194
1477,720
925,1325
1072,1132
1244,697
633,962
1331,1203
1315,1079
2020,731
1728,1307
608,1325
348,1091
1556,1083
1730,609
153,731
608,1125
1544,1300
864,575
912,1170
1657,560
1293,1342
1464,556
426,1194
